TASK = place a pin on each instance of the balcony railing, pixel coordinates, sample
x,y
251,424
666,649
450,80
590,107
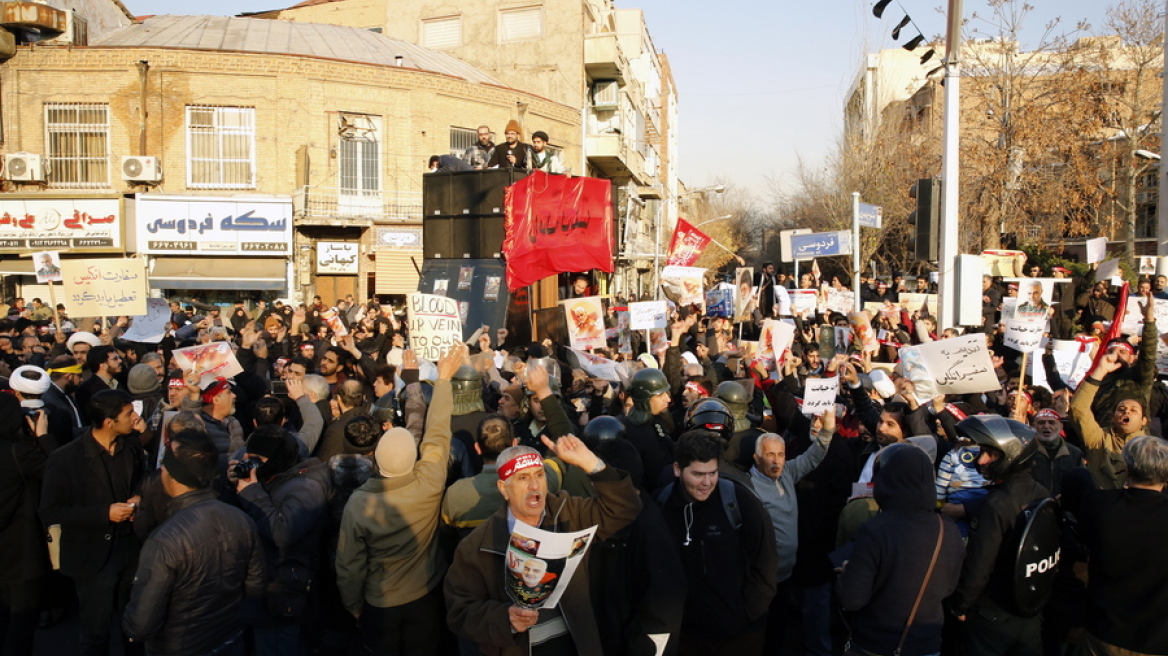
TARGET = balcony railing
x,y
315,204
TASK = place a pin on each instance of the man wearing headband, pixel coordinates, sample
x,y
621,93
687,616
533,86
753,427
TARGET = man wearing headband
x,y
91,490
64,416
478,606
198,565
1055,456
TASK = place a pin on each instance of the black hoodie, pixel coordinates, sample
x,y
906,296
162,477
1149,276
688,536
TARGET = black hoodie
x,y
891,556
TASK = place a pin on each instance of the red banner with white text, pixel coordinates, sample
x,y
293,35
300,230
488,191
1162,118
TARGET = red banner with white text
x,y
687,244
557,224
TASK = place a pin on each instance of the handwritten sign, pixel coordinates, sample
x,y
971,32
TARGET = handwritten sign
x,y
1024,336
648,315
434,325
208,361
803,301
959,365
585,321
842,301
242,225
819,395
104,287
337,257
149,328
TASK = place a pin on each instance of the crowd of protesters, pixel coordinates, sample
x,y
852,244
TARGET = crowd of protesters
x,y
339,495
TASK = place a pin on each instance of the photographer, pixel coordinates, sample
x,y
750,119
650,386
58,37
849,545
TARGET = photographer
x,y
286,497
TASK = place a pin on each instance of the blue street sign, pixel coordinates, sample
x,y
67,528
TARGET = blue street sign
x,y
821,244
871,216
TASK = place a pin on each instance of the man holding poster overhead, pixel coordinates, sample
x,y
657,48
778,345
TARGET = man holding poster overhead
x,y
477,603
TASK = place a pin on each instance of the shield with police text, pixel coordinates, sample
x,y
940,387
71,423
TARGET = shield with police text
x,y
1038,556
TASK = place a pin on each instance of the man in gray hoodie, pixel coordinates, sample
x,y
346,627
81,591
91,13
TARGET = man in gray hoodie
x,y
773,479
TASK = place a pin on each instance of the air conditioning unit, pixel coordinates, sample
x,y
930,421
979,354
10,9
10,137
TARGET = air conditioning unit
x,y
23,167
141,169
605,94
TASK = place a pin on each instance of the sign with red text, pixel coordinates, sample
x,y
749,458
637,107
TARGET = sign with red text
x,y
687,244
76,224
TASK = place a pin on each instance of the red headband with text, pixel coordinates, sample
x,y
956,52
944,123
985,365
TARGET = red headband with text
x,y
525,461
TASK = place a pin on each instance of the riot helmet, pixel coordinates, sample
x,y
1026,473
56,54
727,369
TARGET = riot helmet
x,y
1013,439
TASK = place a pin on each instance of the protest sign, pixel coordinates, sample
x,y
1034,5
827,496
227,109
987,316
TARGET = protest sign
x,y
647,315
47,266
1108,270
720,302
585,323
332,319
433,325
658,340
1096,249
208,361
624,342
149,328
685,282
776,338
840,300
540,564
861,324
596,365
1072,360
819,395
1002,262
104,287
914,302
1147,265
743,292
959,365
1024,336
803,301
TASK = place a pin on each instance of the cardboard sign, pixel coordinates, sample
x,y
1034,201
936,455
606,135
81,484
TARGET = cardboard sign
x,y
104,287
959,365
648,315
208,361
819,395
434,325
149,328
585,320
1024,336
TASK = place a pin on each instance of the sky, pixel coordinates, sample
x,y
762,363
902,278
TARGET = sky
x,y
761,84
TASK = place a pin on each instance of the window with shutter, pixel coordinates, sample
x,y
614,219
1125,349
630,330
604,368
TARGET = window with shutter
x,y
442,33
522,24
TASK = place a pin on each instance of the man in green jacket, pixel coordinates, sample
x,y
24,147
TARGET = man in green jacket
x,y
388,563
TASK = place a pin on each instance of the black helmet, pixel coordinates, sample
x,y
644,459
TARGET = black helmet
x,y
1014,439
602,429
710,414
647,383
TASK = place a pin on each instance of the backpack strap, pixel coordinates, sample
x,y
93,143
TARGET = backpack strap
x,y
730,502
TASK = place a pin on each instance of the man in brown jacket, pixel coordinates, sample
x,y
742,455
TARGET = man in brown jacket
x,y
477,602
388,562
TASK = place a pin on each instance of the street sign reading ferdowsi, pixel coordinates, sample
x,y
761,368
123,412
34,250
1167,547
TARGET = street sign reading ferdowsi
x,y
557,224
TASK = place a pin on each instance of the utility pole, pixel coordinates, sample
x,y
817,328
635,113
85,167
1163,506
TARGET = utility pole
x,y
950,161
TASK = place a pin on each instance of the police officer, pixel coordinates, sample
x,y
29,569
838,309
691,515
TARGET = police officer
x,y
648,424
985,598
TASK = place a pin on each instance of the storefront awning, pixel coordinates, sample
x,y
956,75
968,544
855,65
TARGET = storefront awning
x,y
21,267
219,273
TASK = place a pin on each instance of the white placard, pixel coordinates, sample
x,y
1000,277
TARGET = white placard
x,y
819,395
434,325
149,328
584,318
104,287
959,365
803,301
1096,249
1024,336
648,315
1071,361
1107,270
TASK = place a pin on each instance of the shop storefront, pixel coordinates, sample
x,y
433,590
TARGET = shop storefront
x,y
216,250
398,257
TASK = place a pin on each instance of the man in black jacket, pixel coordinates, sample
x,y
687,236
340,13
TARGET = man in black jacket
x,y
106,364
198,565
91,490
64,414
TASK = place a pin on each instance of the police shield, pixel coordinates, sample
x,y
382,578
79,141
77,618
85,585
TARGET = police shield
x,y
1038,556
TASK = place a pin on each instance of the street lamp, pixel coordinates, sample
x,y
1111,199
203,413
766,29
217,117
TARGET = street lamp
x,y
720,218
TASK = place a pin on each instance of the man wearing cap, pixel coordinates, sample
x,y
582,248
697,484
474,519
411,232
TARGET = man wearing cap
x,y
478,606
388,563
90,489
1055,456
541,158
64,417
513,153
198,565
105,363
215,403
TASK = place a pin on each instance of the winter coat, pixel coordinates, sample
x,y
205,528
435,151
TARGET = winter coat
x,y
891,557
193,574
476,598
24,556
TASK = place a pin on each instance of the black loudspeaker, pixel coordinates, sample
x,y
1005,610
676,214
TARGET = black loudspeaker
x,y
458,236
466,192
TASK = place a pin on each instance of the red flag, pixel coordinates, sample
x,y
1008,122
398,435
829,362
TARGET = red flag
x,y
557,224
1115,329
687,244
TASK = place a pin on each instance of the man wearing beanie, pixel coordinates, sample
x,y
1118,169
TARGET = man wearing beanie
x,y
388,563
512,153
198,565
144,385
287,499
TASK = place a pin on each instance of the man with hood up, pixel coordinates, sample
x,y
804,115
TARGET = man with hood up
x,y
891,558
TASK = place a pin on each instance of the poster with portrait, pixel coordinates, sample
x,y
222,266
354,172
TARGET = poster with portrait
x,y
1035,296
539,564
465,278
585,320
861,323
208,361
686,283
744,293
48,266
624,340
